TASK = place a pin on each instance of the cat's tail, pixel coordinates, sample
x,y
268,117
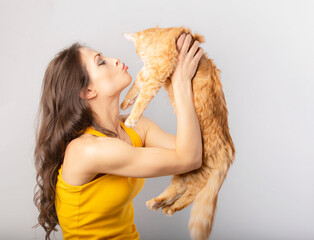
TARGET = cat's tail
x,y
204,205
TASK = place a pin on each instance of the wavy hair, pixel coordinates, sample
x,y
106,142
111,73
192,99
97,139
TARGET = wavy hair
x,y
61,117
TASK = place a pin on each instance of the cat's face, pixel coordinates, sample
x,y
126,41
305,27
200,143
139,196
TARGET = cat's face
x,y
108,78
141,43
153,42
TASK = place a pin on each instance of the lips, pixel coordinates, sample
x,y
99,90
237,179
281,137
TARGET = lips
x,y
124,67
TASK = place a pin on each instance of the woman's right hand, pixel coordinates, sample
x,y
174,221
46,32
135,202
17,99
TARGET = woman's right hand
x,y
187,61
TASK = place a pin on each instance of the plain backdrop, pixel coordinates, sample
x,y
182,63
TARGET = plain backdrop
x,y
264,50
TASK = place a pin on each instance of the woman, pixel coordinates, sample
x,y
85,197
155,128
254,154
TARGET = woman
x,y
89,165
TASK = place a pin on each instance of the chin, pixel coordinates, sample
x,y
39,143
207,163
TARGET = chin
x,y
130,79
127,83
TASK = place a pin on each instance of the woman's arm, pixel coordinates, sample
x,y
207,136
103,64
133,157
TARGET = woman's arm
x,y
188,140
155,136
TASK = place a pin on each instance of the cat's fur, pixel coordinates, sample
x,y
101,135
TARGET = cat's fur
x,y
157,48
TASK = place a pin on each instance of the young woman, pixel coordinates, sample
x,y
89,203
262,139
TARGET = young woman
x,y
89,165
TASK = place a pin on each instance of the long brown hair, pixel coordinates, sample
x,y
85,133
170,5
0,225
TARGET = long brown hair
x,y
63,115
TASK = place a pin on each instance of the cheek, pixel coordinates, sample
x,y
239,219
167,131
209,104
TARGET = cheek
x,y
107,86
110,81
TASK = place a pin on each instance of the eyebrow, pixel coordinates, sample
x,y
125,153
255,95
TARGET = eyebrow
x,y
98,54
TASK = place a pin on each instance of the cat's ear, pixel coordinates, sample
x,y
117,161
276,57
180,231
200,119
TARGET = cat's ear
x,y
130,36
199,38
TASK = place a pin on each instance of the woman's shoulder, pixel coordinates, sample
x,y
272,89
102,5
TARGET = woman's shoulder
x,y
73,171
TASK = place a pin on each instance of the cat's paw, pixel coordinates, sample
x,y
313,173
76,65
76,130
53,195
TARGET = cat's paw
x,y
152,204
129,122
167,210
156,203
125,104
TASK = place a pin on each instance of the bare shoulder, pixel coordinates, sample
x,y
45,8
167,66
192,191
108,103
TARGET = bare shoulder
x,y
78,148
74,172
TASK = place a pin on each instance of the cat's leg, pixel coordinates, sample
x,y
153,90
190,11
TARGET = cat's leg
x,y
170,194
185,199
194,182
133,91
210,173
149,89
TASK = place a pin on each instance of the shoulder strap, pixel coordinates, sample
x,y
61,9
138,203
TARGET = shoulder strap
x,y
136,139
94,132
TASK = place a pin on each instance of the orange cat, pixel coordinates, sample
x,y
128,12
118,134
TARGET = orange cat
x,y
157,48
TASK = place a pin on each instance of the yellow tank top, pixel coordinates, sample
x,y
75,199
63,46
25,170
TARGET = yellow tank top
x,y
102,208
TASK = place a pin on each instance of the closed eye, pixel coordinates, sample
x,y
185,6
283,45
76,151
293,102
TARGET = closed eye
x,y
102,62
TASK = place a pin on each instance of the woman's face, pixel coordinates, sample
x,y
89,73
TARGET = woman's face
x,y
107,75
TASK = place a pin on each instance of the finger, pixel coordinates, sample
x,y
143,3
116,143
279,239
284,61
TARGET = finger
x,y
186,44
198,55
180,41
193,49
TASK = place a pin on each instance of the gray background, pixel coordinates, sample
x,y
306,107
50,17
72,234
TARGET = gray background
x,y
264,50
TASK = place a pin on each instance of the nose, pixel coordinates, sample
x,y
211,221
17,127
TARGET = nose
x,y
117,62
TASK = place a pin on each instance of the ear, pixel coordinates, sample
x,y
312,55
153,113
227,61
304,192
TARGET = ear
x,y
90,93
130,36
